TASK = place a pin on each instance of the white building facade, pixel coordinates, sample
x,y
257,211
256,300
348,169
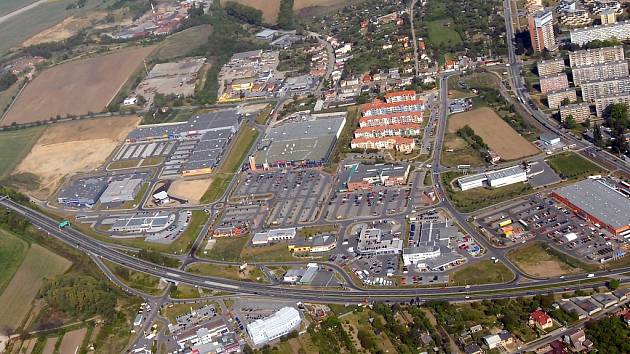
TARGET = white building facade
x,y
282,322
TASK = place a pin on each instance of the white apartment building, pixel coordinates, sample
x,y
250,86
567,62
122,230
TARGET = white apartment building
x,y
618,30
600,88
609,70
596,56
603,102
267,329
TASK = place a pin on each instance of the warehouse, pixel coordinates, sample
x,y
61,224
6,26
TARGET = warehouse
x,y
599,202
82,192
494,179
121,191
284,321
301,140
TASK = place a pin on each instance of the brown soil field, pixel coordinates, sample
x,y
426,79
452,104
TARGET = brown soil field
x,y
76,87
59,154
192,190
66,29
71,342
270,8
49,347
495,132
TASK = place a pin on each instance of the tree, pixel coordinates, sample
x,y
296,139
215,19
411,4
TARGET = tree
x,y
243,12
569,122
598,139
613,284
6,80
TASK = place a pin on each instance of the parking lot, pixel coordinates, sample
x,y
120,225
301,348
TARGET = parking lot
x,y
247,216
381,201
297,195
541,174
543,217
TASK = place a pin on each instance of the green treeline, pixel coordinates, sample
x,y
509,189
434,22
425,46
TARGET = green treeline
x,y
7,80
243,12
79,295
468,134
286,17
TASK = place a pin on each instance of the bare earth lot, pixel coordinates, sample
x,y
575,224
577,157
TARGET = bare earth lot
x,y
191,190
533,259
67,148
15,301
495,132
71,342
66,29
76,87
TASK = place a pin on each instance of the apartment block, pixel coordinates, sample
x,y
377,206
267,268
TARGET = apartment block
x,y
609,70
555,98
618,30
577,18
580,112
389,119
550,67
398,143
555,82
411,129
603,102
601,88
541,31
596,56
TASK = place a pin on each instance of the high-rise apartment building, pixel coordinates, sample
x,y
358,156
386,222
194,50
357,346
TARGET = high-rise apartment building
x,y
610,70
618,30
596,56
601,88
541,31
550,67
555,82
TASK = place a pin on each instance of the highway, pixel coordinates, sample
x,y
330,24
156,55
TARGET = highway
x,y
475,292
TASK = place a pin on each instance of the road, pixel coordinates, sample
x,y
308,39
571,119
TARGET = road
x,y
21,10
474,292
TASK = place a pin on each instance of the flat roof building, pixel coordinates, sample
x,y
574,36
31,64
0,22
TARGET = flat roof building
x,y
284,321
602,103
390,119
579,111
371,241
599,202
555,98
541,31
618,30
604,71
554,82
275,235
596,56
305,139
121,191
83,192
550,67
605,87
494,179
364,177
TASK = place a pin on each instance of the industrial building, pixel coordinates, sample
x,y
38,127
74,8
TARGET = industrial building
x,y
550,67
391,119
284,321
618,30
599,202
302,140
602,103
555,82
275,235
579,111
121,191
82,192
596,56
541,31
555,98
608,70
600,88
494,179
373,242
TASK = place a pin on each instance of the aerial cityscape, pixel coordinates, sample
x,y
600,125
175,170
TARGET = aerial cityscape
x,y
314,176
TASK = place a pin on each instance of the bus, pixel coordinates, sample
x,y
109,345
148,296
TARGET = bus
x,y
64,223
522,222
505,222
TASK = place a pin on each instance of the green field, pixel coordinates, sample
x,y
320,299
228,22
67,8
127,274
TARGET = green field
x,y
572,166
227,249
482,272
252,273
540,260
143,282
183,43
230,166
15,145
15,301
19,28
12,251
441,32
479,198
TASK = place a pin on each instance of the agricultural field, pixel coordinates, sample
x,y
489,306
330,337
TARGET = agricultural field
x,y
573,166
496,133
14,145
181,43
6,96
66,28
535,259
15,301
442,32
12,251
269,8
76,87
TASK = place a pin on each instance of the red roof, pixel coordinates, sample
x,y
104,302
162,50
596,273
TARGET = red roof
x,y
390,126
540,316
400,93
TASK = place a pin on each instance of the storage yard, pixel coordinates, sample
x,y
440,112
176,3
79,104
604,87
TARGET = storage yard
x,y
76,87
494,132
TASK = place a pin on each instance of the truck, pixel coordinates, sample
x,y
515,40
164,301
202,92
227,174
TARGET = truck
x,y
64,223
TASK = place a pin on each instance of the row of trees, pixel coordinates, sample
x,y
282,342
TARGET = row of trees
x,y
475,141
6,80
243,12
